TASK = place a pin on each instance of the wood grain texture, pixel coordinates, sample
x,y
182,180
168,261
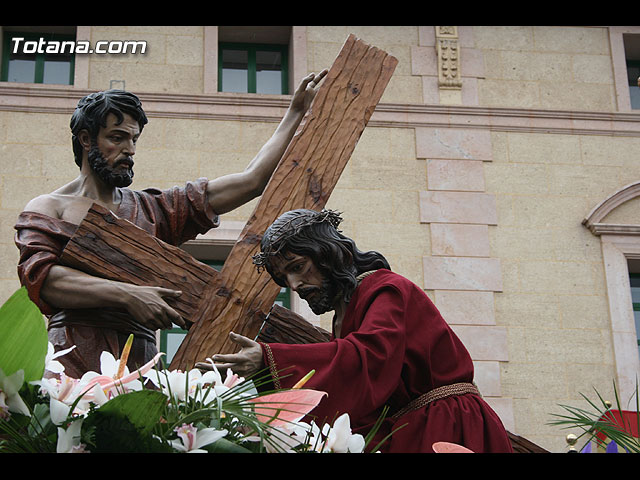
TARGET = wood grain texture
x,y
284,326
110,247
304,178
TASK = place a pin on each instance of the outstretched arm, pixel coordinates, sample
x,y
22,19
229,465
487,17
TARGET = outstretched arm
x,y
231,191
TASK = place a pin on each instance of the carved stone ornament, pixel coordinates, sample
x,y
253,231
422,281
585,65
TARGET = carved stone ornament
x,y
448,52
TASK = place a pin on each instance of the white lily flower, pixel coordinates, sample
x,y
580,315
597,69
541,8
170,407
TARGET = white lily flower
x,y
191,439
50,362
9,387
69,438
66,390
341,440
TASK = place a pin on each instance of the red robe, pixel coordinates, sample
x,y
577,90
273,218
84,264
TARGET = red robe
x,y
174,216
394,347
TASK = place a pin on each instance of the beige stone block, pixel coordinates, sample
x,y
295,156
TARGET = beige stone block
x,y
405,207
390,178
501,37
528,309
471,63
411,239
458,207
508,93
553,346
504,409
507,242
549,211
18,191
582,96
185,50
430,90
592,68
584,311
9,256
462,273
361,205
591,40
18,159
549,378
484,342
609,151
516,178
576,243
101,73
466,307
8,219
470,91
388,34
453,143
559,277
532,66
459,240
186,79
487,378
167,165
403,89
538,148
463,175
424,61
427,36
38,129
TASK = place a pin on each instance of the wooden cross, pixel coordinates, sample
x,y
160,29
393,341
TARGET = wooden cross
x,y
238,298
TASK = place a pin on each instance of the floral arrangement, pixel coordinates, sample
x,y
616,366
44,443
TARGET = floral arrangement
x,y
43,410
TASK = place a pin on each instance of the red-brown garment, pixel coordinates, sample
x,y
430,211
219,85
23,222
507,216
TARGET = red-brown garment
x,y
174,216
394,347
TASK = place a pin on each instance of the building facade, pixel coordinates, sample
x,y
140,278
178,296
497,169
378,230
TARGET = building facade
x,y
499,172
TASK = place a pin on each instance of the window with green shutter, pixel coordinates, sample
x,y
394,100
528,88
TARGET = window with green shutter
x,y
251,68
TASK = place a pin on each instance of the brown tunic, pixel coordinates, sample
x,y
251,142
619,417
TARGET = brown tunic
x,y
174,216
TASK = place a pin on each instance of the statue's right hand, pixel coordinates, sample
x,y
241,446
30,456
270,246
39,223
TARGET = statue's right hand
x,y
147,305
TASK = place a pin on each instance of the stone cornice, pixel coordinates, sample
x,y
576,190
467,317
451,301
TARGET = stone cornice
x,y
270,108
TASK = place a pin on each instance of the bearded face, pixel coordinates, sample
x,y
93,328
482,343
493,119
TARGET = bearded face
x,y
120,174
321,299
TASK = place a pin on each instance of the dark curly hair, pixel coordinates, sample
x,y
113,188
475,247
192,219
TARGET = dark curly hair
x,y
92,110
315,235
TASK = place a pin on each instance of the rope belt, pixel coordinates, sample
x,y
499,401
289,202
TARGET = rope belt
x,y
437,394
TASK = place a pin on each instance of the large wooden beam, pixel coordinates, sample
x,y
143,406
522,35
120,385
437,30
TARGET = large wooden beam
x,y
110,247
304,178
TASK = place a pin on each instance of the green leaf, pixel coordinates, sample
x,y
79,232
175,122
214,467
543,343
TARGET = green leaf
x,y
23,337
126,422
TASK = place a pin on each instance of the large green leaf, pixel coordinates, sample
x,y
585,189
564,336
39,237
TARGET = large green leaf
x,y
23,337
126,422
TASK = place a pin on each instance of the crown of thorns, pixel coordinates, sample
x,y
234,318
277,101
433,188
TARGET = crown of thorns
x,y
275,236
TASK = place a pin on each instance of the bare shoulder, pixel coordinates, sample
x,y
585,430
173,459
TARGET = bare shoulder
x,y
70,208
47,204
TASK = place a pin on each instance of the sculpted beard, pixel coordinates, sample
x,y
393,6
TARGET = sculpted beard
x,y
320,299
113,176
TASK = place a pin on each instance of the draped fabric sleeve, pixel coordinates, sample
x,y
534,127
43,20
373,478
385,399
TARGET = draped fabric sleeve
x,y
40,240
358,372
174,215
